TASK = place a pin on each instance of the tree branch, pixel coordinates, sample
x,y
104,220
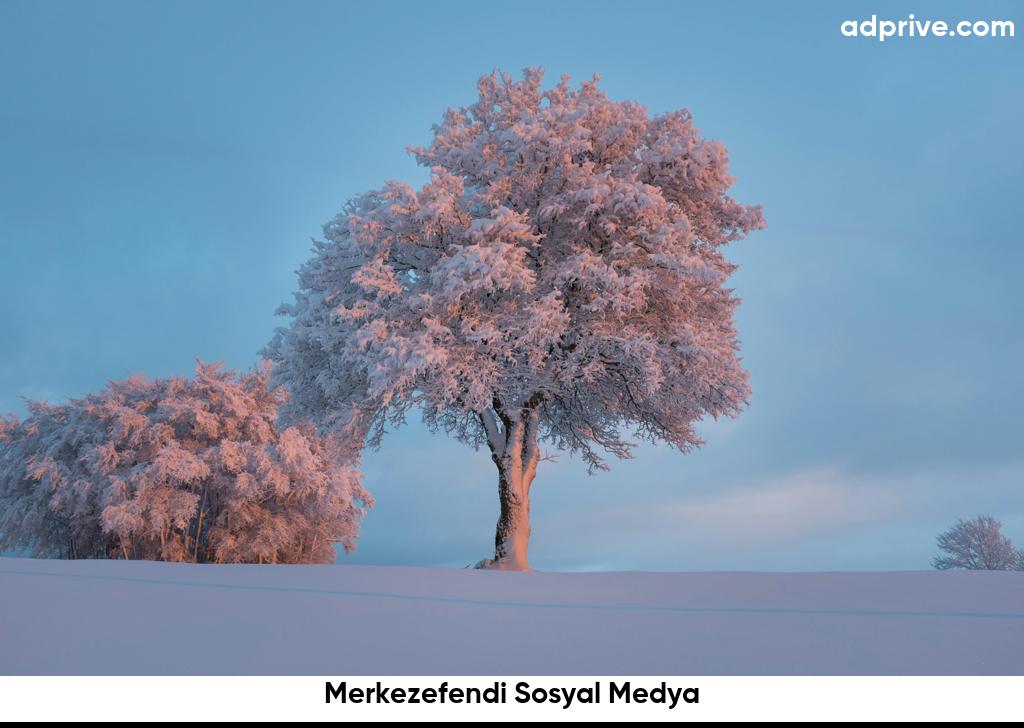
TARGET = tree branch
x,y
495,441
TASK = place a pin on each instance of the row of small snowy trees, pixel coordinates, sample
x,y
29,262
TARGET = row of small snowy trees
x,y
176,470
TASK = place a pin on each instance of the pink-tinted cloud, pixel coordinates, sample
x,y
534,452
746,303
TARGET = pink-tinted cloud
x,y
787,509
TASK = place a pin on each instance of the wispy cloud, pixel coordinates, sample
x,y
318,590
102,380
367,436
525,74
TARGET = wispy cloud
x,y
787,509
832,517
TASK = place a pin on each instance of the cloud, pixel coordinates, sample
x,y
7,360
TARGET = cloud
x,y
832,517
787,509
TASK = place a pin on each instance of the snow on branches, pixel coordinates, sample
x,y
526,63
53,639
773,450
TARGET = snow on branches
x,y
977,544
176,470
560,278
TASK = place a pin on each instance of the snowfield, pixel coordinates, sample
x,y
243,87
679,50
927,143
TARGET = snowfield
x,y
118,617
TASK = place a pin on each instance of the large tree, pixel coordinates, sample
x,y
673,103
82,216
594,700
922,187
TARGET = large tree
x,y
559,279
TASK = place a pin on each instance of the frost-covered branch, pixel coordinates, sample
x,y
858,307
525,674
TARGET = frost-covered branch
x,y
494,437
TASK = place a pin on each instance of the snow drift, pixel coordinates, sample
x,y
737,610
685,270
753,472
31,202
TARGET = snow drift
x,y
124,617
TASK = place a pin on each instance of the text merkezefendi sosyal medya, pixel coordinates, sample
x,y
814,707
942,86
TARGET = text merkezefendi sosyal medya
x,y
521,692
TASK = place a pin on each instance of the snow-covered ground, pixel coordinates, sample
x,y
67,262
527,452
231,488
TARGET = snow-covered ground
x,y
116,617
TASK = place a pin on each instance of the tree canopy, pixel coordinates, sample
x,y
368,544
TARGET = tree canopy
x,y
560,278
179,470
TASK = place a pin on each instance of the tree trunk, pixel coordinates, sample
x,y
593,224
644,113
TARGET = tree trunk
x,y
512,536
515,452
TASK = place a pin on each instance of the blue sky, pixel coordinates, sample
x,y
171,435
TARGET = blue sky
x,y
163,167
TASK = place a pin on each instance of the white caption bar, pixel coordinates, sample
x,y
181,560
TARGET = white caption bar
x,y
645,698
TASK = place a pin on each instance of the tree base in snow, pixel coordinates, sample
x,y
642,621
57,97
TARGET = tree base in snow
x,y
495,565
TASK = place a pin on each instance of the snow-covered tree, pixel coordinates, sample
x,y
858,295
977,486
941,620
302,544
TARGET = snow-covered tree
x,y
178,470
977,544
560,278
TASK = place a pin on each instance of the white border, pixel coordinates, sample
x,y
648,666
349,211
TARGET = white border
x,y
304,698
